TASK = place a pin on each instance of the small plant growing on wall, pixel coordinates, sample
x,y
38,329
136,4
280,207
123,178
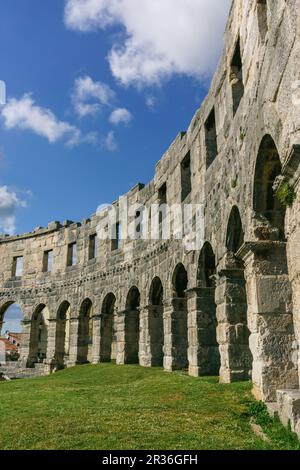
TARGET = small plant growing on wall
x,y
286,194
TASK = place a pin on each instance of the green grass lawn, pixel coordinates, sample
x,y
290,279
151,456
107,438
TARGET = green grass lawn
x,y
128,407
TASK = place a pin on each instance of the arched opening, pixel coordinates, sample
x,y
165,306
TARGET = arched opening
x,y
11,332
132,326
108,340
39,334
180,281
266,204
207,346
62,333
85,332
235,233
206,267
179,323
156,322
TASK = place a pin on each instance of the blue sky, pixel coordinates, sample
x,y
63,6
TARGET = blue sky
x,y
142,68
12,319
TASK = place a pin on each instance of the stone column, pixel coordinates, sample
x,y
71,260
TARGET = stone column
x,y
272,340
120,333
25,359
168,342
95,354
293,251
51,360
232,330
73,339
294,269
151,336
203,349
175,334
156,329
145,357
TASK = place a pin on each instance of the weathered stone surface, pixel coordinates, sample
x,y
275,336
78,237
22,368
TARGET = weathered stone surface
x,y
289,409
182,308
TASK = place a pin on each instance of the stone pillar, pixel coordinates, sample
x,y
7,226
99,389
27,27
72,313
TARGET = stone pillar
x,y
25,359
145,357
120,333
294,263
51,360
73,338
128,333
293,251
168,346
272,340
156,329
203,349
151,336
95,353
175,334
232,330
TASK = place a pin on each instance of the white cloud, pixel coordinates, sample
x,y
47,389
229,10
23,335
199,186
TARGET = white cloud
x,y
25,114
9,202
87,15
120,116
88,96
158,38
110,142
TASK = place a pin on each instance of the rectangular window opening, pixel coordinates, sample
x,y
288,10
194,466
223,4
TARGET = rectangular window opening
x,y
162,200
72,254
93,247
17,270
138,224
186,177
48,261
236,78
116,240
162,194
211,138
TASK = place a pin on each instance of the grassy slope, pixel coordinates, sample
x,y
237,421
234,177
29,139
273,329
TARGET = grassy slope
x,y
128,407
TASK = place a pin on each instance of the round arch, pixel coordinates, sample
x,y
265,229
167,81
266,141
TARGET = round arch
x,y
206,266
132,326
85,331
156,293
156,322
11,329
39,333
268,167
235,232
62,342
179,327
107,333
180,281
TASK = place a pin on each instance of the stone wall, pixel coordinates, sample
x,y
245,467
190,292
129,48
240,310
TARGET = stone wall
x,y
234,305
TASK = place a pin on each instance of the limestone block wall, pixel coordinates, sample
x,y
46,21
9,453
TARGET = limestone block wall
x,y
230,306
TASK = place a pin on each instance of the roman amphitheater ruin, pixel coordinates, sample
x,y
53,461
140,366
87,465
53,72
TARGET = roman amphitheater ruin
x,y
231,308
